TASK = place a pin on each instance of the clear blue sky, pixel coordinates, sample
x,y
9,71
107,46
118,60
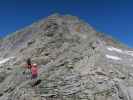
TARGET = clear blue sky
x,y
114,17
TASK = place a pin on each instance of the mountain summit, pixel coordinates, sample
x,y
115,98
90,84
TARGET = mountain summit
x,y
75,63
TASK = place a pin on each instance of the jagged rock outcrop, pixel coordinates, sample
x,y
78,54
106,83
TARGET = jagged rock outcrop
x,y
75,63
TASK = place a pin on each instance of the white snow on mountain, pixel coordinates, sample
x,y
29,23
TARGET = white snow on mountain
x,y
129,53
110,48
5,60
113,57
114,49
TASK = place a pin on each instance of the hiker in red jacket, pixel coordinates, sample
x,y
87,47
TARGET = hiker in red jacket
x,y
34,71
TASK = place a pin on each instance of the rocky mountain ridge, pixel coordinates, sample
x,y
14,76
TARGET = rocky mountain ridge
x,y
75,63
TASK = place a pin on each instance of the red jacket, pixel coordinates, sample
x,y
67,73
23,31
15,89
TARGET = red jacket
x,y
34,70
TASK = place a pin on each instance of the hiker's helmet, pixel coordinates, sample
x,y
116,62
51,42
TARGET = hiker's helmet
x,y
35,64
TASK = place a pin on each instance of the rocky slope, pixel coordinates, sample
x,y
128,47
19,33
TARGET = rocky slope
x,y
75,63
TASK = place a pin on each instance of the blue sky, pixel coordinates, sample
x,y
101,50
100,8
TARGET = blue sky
x,y
113,17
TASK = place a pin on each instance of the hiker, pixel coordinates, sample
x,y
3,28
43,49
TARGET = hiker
x,y
28,67
34,71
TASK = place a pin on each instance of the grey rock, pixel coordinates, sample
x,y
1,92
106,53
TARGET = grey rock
x,y
72,62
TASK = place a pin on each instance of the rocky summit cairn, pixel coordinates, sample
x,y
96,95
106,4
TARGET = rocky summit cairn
x,y
75,63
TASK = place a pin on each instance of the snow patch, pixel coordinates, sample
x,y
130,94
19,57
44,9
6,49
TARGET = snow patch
x,y
114,49
5,60
110,48
129,53
113,57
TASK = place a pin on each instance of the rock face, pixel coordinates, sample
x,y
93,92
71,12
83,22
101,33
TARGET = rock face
x,y
75,63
